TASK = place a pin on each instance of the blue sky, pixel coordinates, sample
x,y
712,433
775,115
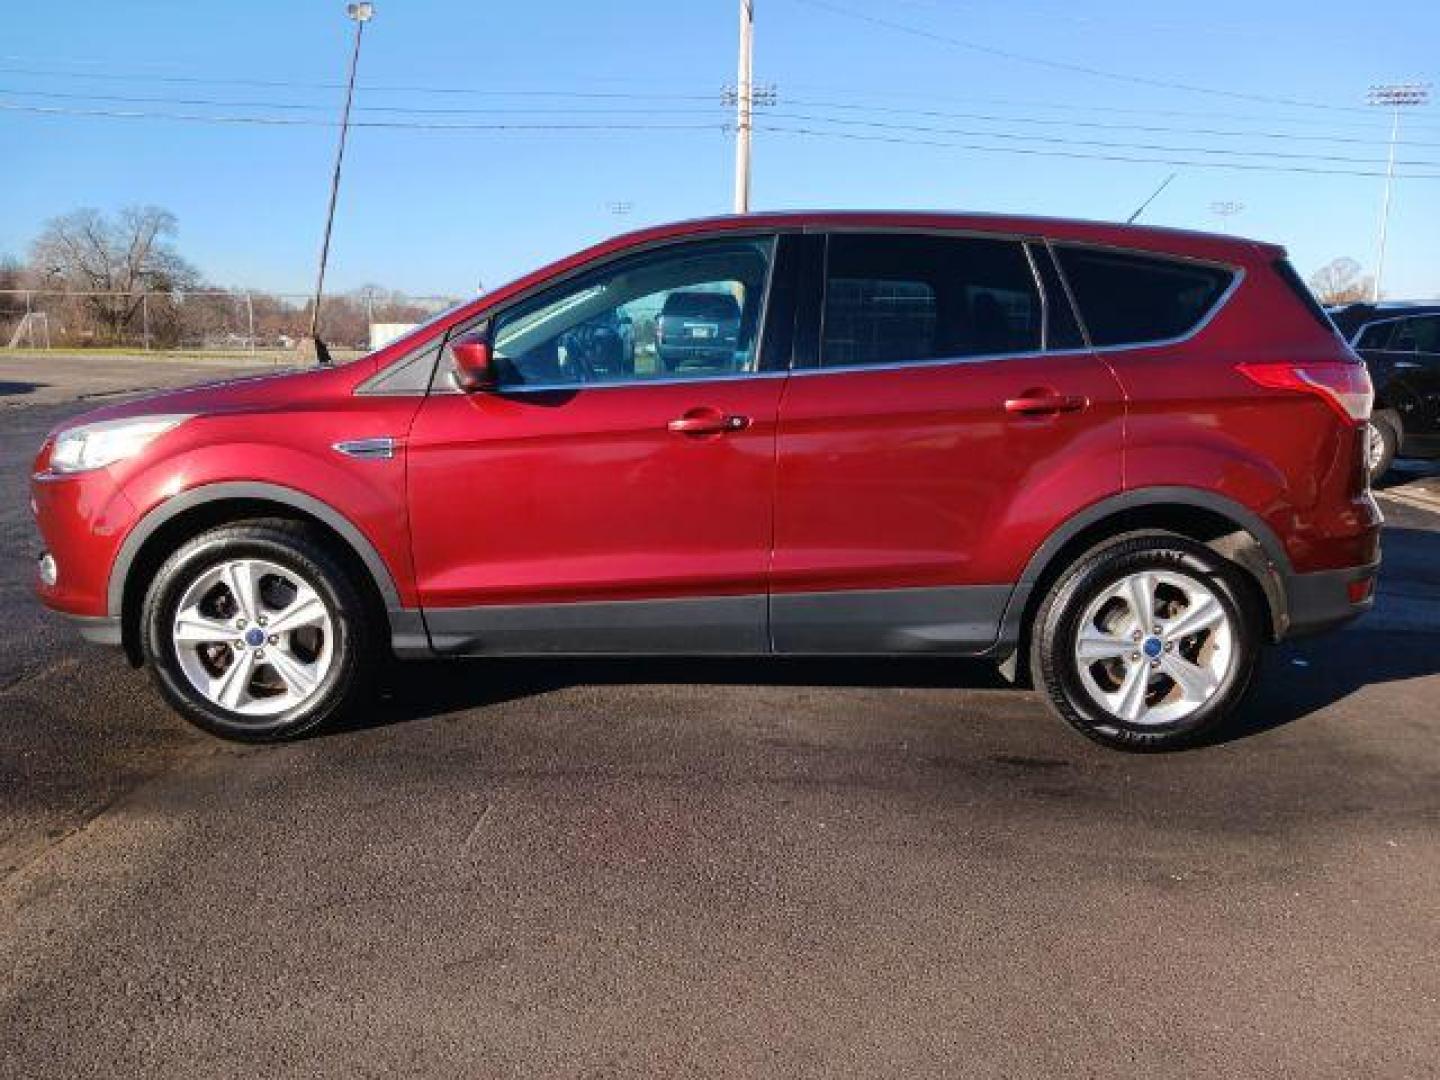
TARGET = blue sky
x,y
431,211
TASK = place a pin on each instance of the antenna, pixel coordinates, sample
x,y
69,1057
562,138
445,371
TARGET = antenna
x,y
1153,195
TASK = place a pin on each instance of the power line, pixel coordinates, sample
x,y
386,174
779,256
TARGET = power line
x,y
380,88
285,106
1208,115
1062,65
1094,124
420,110
275,121
1097,143
197,80
1029,151
1080,156
287,121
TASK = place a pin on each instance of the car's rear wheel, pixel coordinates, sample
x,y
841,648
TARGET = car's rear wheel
x,y
1382,443
1147,643
255,632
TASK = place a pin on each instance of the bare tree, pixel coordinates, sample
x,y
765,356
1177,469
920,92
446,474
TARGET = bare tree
x,y
84,251
12,302
1340,281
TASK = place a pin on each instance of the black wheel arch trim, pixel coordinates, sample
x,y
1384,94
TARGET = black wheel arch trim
x,y
1011,624
205,494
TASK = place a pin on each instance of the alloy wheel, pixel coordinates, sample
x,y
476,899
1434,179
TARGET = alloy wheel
x,y
1154,647
253,637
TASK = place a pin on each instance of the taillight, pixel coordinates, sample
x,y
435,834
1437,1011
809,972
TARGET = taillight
x,y
1345,387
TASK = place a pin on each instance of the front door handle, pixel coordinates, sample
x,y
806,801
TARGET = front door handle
x,y
1043,403
708,421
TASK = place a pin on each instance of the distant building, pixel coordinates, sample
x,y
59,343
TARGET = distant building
x,y
382,333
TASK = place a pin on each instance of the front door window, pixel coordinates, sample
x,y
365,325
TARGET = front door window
x,y
688,312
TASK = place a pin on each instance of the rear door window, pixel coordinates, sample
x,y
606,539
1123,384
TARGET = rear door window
x,y
900,298
1131,299
1420,334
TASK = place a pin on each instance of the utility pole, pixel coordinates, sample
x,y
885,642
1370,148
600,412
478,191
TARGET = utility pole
x,y
744,106
1394,96
360,14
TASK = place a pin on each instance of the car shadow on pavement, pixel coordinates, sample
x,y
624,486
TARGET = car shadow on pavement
x,y
1295,681
1302,678
1398,642
426,689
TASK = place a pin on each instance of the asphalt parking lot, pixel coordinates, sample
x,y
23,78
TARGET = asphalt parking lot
x,y
717,868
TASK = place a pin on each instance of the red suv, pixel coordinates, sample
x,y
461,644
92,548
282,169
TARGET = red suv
x,y
1119,459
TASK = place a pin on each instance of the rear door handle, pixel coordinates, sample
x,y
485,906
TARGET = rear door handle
x,y
708,421
1037,404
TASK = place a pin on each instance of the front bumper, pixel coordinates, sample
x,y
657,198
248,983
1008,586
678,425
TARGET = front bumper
x,y
1322,601
82,518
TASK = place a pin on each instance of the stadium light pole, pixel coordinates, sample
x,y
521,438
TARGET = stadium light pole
x,y
359,14
1393,96
1225,210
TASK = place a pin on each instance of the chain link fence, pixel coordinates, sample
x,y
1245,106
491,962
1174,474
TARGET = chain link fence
x,y
225,320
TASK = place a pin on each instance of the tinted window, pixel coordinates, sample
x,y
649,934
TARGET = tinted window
x,y
1127,299
1417,335
893,299
1375,336
691,310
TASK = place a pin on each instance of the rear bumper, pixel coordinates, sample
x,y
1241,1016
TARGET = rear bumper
x,y
1322,601
714,352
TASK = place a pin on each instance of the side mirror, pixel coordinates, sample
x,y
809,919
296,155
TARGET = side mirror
x,y
474,363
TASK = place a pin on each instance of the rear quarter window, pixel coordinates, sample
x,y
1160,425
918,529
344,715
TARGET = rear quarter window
x,y
1130,299
1375,336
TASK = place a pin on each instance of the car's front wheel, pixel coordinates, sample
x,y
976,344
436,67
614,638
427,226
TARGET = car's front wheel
x,y
1147,643
255,632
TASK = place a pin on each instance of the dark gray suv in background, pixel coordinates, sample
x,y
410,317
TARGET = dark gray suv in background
x,y
1401,345
697,329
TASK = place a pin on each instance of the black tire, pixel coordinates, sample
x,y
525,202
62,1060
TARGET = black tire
x,y
295,547
1387,426
1057,672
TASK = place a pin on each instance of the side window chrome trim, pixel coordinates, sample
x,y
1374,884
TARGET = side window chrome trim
x,y
622,384
944,361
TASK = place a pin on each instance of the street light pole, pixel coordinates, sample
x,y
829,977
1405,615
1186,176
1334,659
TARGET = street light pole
x,y
360,14
744,104
1225,210
1394,96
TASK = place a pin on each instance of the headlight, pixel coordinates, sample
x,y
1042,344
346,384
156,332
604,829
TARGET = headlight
x,y
94,446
